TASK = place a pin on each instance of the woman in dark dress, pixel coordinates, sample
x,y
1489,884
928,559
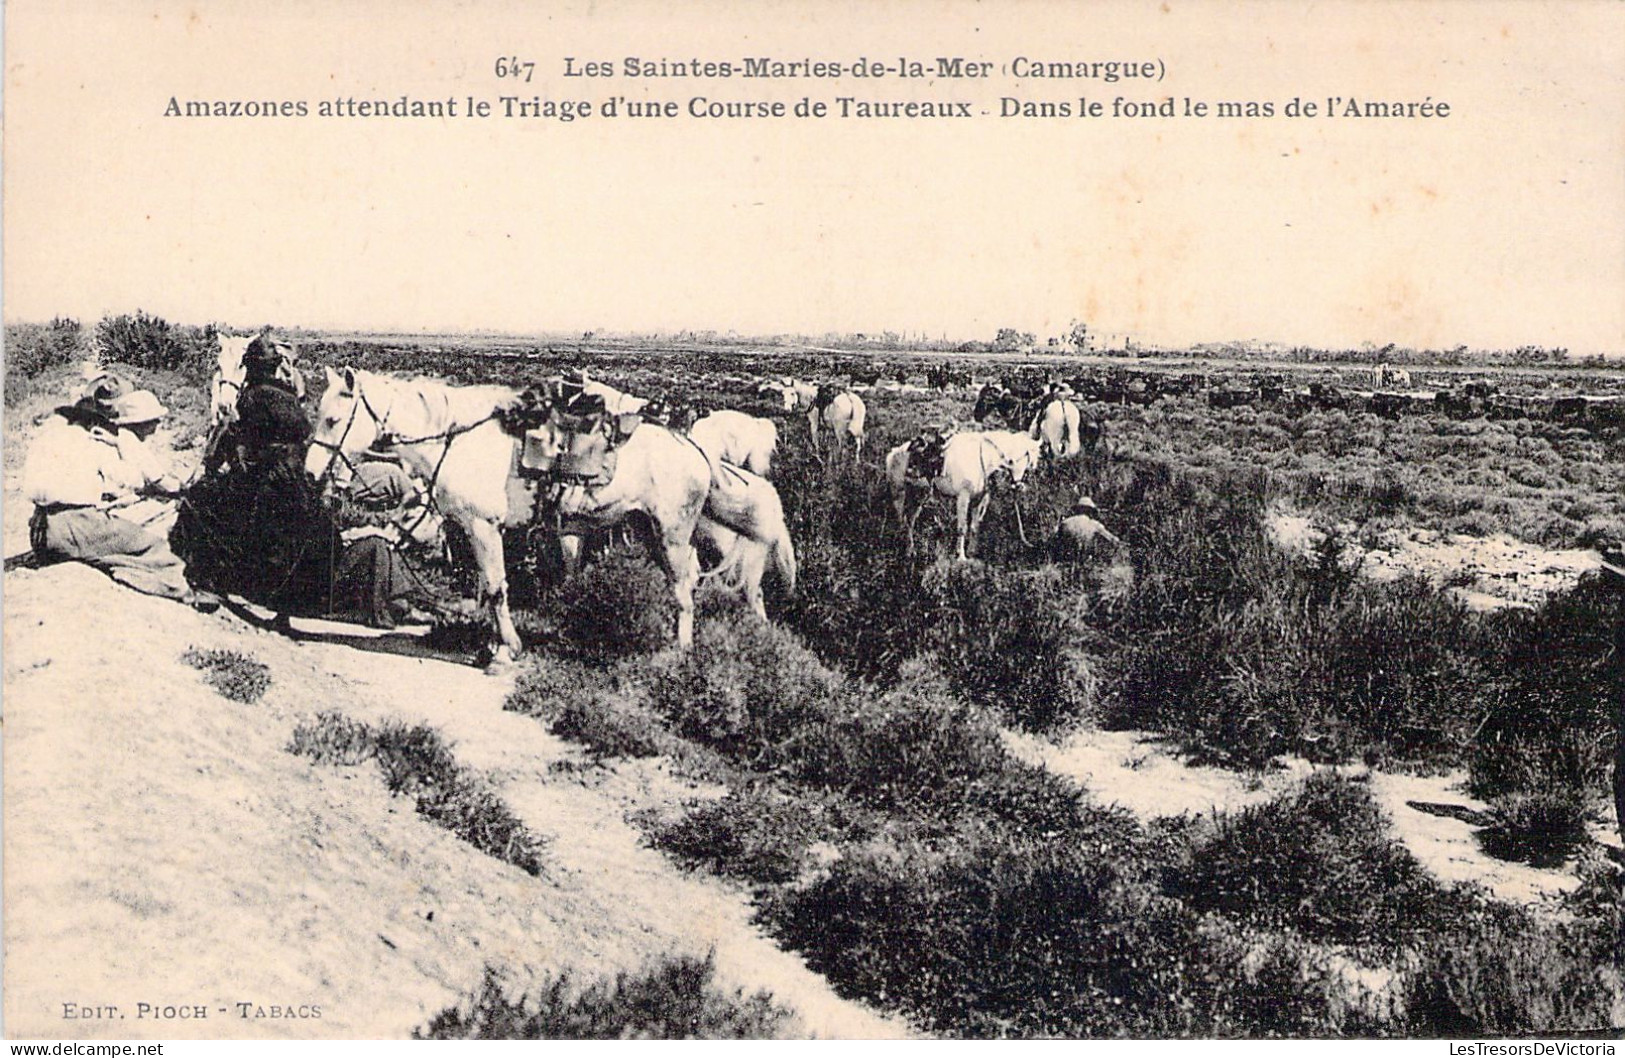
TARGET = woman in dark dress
x,y
384,514
261,529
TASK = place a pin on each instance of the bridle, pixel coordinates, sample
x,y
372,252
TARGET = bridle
x,y
387,437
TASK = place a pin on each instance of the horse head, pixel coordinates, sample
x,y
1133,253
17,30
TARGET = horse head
x,y
227,384
347,424
1020,454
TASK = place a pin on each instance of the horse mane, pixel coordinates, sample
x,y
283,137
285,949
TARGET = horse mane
x,y
443,406
1008,442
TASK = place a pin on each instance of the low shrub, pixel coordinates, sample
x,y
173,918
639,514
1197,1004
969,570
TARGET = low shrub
x,y
235,675
1503,973
747,689
619,606
1247,653
32,349
416,762
674,1000
918,752
334,739
751,834
1319,862
1553,726
151,343
999,936
610,727
1010,640
1543,828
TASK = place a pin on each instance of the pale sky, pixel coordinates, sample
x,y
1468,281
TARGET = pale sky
x,y
1501,225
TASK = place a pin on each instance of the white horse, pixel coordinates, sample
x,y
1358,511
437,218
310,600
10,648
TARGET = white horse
x,y
744,524
843,417
449,436
744,440
686,495
1059,425
969,460
227,384
615,402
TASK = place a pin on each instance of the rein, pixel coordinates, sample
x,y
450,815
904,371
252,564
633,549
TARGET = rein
x,y
386,437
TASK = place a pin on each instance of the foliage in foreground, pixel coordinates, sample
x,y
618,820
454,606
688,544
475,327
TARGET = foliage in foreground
x,y
234,674
1321,862
416,762
674,1000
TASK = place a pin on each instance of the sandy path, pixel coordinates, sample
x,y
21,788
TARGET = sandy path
x,y
1142,773
162,847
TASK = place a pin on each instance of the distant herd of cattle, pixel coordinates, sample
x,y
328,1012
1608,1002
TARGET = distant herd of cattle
x,y
1386,392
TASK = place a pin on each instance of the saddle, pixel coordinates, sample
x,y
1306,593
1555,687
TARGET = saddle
x,y
925,456
591,438
534,407
671,413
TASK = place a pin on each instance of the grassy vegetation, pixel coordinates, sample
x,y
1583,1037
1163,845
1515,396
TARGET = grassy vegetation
x,y
897,844
417,763
36,353
674,1000
234,674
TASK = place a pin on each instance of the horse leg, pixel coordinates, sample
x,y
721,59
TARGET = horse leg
x,y
919,505
683,568
962,519
486,538
812,424
752,568
979,513
570,549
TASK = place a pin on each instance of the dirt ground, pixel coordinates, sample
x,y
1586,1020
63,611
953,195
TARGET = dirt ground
x,y
1486,573
163,847
1143,774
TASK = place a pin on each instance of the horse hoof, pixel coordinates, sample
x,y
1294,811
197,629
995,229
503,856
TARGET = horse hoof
x,y
501,662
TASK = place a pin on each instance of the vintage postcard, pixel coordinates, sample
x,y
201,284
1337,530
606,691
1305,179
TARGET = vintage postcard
x,y
912,520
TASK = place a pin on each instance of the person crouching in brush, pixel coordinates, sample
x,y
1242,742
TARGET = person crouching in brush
x,y
90,461
384,514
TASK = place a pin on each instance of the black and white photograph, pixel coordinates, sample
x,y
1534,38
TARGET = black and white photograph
x,y
919,520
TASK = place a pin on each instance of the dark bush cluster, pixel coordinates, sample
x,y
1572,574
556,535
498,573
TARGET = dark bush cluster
x,y
754,834
1552,728
234,674
33,349
676,999
1321,863
1004,936
1504,973
152,343
1247,653
619,606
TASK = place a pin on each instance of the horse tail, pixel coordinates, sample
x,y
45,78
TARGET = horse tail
x,y
859,412
732,569
784,560
1066,425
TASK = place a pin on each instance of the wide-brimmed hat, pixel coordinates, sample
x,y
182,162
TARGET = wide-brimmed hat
x,y
138,407
101,396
